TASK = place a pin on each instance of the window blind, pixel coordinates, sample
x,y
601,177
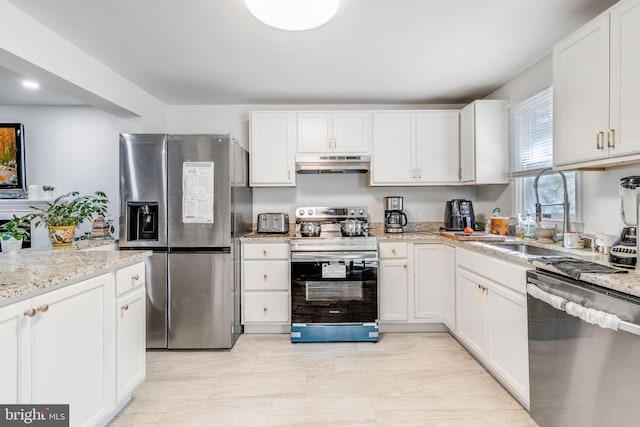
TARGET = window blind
x,y
530,134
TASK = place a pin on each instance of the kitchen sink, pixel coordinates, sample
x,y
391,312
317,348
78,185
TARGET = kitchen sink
x,y
527,250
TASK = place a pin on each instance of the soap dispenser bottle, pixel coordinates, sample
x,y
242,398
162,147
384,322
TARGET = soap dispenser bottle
x,y
529,227
520,226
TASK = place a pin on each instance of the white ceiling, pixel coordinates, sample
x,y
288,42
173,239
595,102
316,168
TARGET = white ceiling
x,y
373,51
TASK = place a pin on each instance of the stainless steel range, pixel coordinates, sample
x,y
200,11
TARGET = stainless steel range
x,y
334,279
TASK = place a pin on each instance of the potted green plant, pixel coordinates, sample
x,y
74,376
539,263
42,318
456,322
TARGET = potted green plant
x,y
13,232
63,215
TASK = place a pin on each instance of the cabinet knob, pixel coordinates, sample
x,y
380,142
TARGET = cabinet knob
x,y
30,313
125,307
43,308
405,266
265,276
264,252
264,309
135,277
419,174
393,251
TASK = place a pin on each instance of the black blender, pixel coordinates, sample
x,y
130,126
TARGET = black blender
x,y
624,252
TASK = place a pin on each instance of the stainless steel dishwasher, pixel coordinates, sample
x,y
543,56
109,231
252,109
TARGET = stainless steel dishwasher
x,y
584,353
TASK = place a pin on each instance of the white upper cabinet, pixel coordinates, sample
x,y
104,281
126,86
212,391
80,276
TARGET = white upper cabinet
x,y
483,142
415,147
333,132
272,149
596,87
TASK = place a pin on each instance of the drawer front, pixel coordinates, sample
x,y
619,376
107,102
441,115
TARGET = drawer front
x,y
266,275
266,251
266,307
130,277
392,250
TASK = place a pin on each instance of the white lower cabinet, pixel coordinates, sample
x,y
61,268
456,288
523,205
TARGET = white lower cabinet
x,y
412,279
130,330
265,286
492,317
60,348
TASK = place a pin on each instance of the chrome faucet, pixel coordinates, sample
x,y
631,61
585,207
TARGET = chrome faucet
x,y
566,225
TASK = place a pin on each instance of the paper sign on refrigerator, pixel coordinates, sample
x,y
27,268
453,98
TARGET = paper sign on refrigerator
x,y
197,192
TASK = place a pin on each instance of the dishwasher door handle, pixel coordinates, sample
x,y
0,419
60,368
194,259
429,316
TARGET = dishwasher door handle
x,y
589,315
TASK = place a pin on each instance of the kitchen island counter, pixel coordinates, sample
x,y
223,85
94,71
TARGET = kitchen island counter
x,y
35,271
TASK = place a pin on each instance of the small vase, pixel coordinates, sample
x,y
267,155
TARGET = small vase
x,y
11,246
62,235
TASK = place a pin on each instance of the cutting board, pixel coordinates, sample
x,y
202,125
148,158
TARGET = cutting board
x,y
458,235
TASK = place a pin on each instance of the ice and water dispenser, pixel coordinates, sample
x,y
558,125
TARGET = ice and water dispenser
x,y
142,218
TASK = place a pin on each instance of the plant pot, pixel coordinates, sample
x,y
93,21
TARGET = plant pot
x,y
11,246
62,235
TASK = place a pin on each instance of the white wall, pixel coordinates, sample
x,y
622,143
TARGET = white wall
x,y
421,203
72,148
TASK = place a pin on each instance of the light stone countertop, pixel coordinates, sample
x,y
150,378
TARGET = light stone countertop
x,y
36,271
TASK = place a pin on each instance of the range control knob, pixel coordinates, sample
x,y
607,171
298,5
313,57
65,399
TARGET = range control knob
x,y
301,212
310,211
352,212
360,211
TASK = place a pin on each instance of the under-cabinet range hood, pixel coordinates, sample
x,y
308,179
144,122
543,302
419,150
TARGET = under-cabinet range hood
x,y
346,163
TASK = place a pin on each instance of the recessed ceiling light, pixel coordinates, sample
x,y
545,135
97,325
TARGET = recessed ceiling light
x,y
293,15
30,84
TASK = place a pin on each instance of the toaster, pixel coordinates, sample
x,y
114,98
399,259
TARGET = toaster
x,y
273,223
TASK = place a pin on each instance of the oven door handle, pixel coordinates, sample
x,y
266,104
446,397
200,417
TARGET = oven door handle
x,y
333,256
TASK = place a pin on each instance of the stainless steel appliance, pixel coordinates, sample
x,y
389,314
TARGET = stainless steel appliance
x,y
334,279
583,353
394,218
458,214
345,163
624,252
186,198
273,223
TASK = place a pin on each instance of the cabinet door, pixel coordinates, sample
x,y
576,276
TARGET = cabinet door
x,y
392,148
449,283
393,283
266,275
14,352
130,342
351,133
272,147
72,346
472,311
429,273
581,94
437,145
314,133
467,172
625,79
266,307
508,347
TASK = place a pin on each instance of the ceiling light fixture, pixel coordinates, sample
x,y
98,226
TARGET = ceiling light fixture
x,y
30,84
293,15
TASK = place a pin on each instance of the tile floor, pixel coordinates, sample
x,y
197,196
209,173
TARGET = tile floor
x,y
403,380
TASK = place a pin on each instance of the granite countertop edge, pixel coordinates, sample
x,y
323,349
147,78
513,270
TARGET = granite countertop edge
x,y
35,272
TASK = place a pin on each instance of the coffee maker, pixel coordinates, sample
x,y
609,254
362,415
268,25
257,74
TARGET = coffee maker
x,y
394,218
458,214
624,251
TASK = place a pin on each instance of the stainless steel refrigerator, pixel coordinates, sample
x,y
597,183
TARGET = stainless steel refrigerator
x,y
187,198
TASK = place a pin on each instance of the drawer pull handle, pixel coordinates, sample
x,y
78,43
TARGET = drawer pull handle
x,y
43,308
136,277
30,313
125,307
611,138
600,140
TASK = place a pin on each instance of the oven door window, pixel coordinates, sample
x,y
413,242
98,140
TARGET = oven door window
x,y
332,291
